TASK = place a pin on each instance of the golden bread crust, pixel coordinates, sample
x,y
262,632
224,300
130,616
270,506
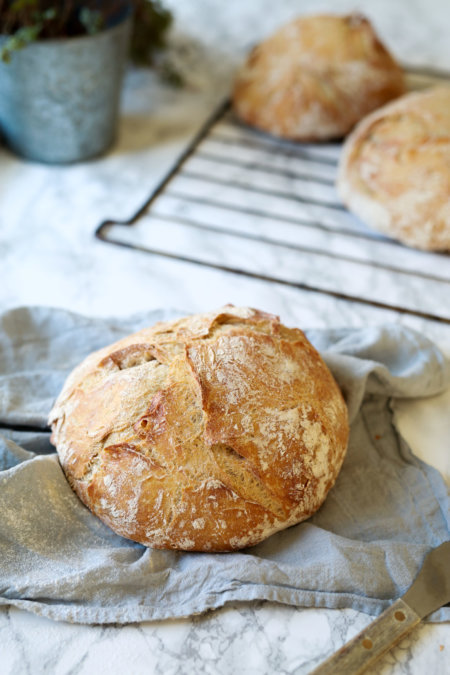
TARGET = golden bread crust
x,y
208,433
395,169
316,77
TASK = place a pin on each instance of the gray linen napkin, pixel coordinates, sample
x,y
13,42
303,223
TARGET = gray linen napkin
x,y
362,549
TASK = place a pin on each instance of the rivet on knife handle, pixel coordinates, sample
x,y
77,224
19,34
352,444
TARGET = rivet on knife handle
x,y
372,642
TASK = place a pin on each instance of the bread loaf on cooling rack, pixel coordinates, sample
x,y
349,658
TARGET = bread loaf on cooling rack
x,y
208,433
395,169
316,77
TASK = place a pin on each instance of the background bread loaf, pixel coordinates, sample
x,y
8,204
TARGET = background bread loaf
x,y
207,433
316,77
395,169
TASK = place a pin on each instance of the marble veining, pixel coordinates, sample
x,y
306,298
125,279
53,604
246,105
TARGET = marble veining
x,y
48,256
245,638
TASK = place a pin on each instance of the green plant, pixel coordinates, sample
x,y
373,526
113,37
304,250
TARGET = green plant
x,y
26,21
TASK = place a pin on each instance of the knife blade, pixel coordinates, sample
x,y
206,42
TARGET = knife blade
x,y
429,591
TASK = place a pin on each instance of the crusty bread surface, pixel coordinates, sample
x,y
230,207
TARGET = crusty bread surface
x,y
316,77
394,171
207,433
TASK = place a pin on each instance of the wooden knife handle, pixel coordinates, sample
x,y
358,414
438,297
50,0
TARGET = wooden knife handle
x,y
372,642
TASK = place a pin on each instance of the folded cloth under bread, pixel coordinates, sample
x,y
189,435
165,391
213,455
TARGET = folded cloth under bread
x,y
362,549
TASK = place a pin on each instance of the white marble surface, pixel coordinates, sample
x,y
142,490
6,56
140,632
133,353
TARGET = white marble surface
x,y
48,256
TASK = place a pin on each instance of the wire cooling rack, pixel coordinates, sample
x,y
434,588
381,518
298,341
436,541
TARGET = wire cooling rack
x,y
247,203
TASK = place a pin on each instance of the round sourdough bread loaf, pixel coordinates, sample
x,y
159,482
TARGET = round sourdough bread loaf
x,y
208,433
316,77
394,171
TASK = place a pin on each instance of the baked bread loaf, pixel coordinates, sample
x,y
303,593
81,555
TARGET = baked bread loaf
x,y
316,77
394,171
208,433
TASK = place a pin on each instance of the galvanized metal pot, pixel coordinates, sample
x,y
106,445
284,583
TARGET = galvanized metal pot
x,y
59,99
